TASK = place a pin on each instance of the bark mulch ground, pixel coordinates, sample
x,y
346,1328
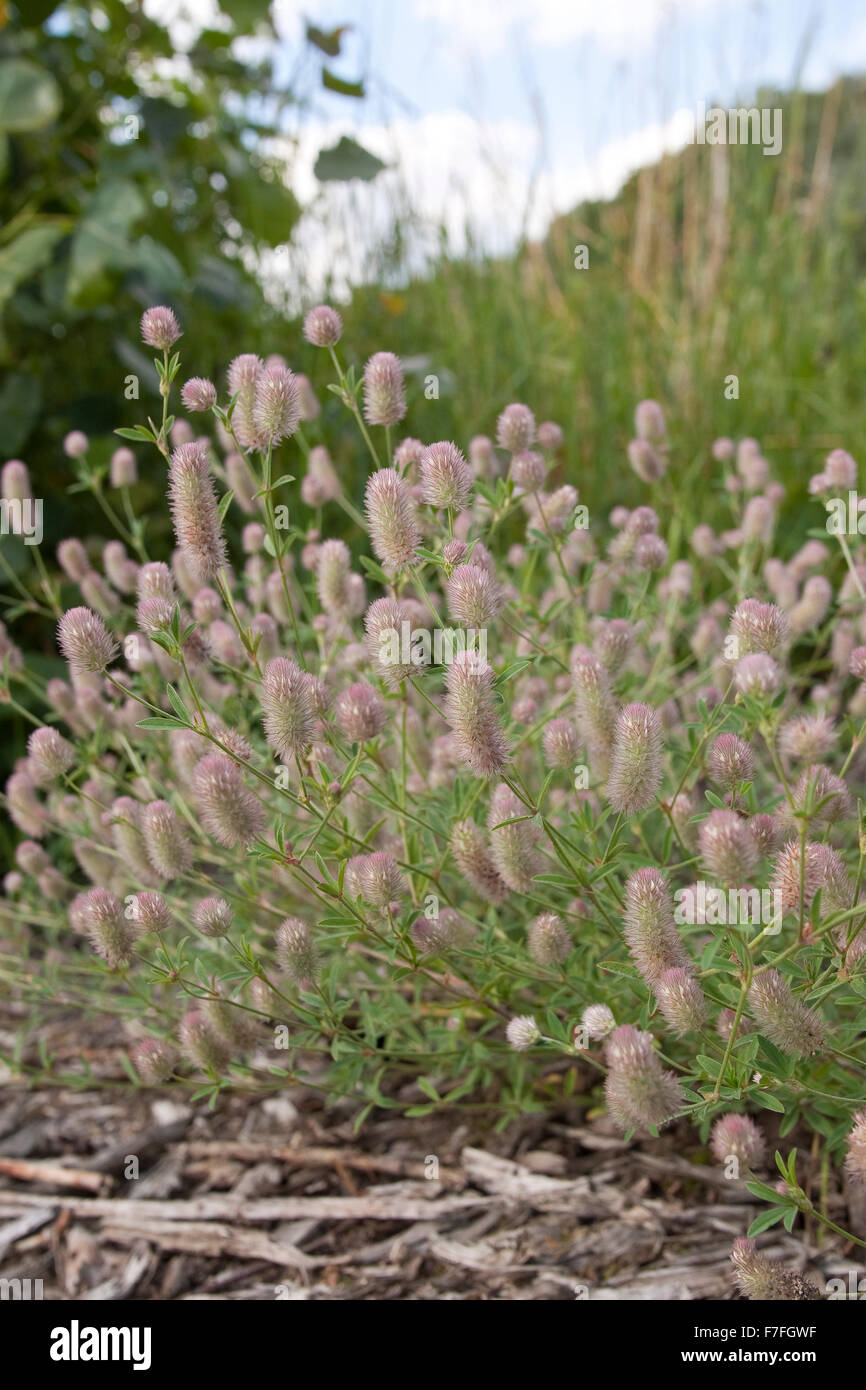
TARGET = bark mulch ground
x,y
112,1193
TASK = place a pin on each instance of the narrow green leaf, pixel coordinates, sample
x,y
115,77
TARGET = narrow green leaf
x,y
177,704
225,503
760,1189
138,432
768,1101
767,1219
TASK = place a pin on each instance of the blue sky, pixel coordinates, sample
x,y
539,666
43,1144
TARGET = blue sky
x,y
601,70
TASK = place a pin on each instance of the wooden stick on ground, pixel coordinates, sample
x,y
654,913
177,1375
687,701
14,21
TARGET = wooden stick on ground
x,y
32,1170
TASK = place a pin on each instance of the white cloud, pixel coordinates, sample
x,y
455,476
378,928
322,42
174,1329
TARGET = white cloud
x,y
478,181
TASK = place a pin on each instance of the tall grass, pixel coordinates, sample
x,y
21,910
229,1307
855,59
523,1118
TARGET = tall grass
x,y
715,262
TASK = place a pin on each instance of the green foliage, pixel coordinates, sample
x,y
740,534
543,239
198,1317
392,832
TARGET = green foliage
x,y
347,160
395,1011
132,176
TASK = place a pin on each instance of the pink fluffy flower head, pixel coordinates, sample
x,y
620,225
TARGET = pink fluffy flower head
x,y
446,478
15,485
645,461
758,627
757,675
49,754
857,663
320,483
727,847
276,406
470,709
165,839
159,328
595,706
201,1044
296,950
229,810
548,939
522,1032
360,712
432,936
650,553
383,625
513,840
408,456
737,1136
475,862
823,795
154,1059
528,470
855,1159
640,1093
75,444
636,766
812,606
680,1000
72,559
808,737
784,1018
649,926
198,394
151,912
25,809
155,581
840,469
789,877
649,421
613,642
482,456
323,326
287,705
730,761
193,505
84,640
559,742
515,428
474,595
394,532
31,858
598,1021
550,436
375,878
212,916
384,392
333,566
765,833
764,1280
243,377
101,915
